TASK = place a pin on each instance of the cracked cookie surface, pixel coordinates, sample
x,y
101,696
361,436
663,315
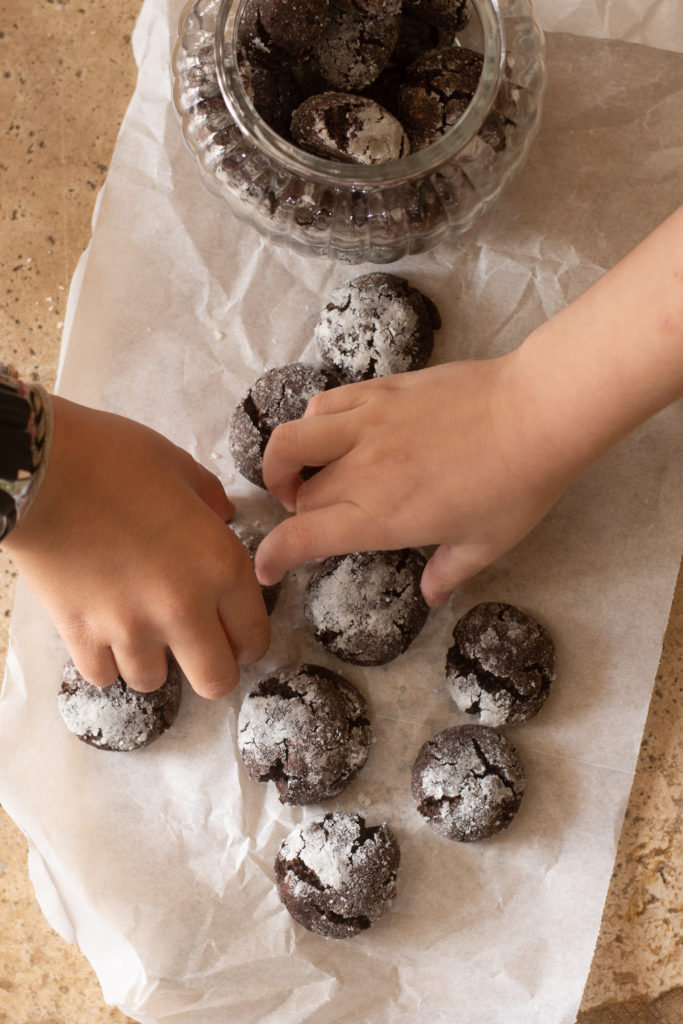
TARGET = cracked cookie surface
x,y
355,47
306,729
367,608
468,782
116,717
375,325
501,664
337,875
436,90
279,395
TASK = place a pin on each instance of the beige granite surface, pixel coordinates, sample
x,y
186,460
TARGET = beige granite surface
x,y
66,75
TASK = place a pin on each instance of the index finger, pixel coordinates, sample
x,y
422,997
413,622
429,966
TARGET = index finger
x,y
313,441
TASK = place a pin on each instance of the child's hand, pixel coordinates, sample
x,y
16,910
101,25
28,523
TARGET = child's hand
x,y
470,456
127,546
454,455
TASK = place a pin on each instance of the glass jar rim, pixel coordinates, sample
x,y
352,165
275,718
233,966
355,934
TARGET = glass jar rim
x,y
361,177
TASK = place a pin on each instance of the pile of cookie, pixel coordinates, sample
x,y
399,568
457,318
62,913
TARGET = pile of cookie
x,y
361,81
306,728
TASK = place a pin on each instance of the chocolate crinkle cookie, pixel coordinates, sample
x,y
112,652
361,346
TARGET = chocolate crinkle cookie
x,y
367,608
336,876
306,729
376,325
436,90
348,128
468,782
279,395
355,47
501,664
116,717
251,537
273,31
452,15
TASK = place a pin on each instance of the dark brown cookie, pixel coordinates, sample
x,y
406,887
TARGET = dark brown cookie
x,y
306,729
251,537
354,47
452,15
279,395
275,95
416,37
377,8
348,128
337,876
468,782
273,31
375,325
437,89
367,608
116,717
501,664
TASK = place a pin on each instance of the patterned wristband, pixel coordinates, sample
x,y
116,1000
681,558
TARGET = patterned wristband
x,y
25,435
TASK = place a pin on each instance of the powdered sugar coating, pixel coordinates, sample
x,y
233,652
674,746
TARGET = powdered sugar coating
x,y
353,129
279,395
501,664
336,875
116,717
375,325
468,782
367,608
354,47
306,729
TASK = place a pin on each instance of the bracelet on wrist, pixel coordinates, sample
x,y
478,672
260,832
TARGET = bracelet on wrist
x,y
25,433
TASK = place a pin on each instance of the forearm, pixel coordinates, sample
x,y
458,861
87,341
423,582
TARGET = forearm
x,y
614,357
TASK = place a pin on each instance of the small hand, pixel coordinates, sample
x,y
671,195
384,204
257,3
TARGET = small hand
x,y
451,455
127,546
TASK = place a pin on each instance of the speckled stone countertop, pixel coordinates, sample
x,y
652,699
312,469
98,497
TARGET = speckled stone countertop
x,y
66,76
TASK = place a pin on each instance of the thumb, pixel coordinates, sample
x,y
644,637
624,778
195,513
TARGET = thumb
x,y
449,566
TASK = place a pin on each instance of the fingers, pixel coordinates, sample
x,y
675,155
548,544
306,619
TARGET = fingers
x,y
209,666
341,399
306,442
95,663
143,667
449,566
247,626
333,530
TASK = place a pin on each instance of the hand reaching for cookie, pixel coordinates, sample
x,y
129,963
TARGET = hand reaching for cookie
x,y
438,456
471,455
127,546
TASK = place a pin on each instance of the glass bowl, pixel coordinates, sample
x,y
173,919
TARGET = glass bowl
x,y
359,213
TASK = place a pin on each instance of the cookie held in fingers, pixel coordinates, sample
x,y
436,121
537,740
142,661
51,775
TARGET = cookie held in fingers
x,y
468,782
501,664
117,717
337,875
279,395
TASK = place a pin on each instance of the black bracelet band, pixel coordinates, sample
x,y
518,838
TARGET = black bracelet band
x,y
23,439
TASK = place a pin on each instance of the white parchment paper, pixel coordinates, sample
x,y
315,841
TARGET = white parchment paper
x,y
159,863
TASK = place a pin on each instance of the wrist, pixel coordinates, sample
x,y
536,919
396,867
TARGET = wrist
x,y
25,441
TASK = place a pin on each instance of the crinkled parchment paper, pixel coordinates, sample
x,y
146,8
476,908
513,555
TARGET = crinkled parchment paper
x,y
159,863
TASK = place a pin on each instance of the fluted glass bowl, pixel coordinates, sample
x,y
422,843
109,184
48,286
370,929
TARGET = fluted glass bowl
x,y
350,212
